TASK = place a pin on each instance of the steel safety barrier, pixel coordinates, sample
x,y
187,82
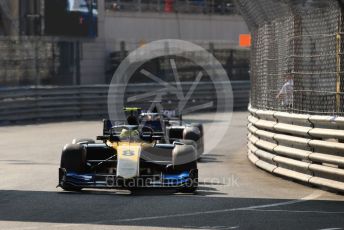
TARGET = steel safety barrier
x,y
306,148
46,103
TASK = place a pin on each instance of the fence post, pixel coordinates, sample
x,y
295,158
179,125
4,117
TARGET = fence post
x,y
212,51
338,69
122,50
37,62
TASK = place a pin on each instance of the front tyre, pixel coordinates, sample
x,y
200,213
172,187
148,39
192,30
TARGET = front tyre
x,y
73,159
192,183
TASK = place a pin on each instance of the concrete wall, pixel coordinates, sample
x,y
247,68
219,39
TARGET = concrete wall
x,y
153,26
135,28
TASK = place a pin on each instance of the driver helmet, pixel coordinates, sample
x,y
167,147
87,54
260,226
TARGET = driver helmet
x,y
132,120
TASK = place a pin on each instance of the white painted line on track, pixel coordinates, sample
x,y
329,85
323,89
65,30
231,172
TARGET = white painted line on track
x,y
330,228
211,227
296,211
312,196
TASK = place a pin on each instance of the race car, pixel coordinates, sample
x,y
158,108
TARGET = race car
x,y
168,124
129,157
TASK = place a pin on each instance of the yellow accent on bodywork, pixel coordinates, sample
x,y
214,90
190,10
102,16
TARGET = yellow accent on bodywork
x,y
128,159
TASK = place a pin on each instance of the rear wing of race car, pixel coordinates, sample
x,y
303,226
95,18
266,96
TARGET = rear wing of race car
x,y
108,125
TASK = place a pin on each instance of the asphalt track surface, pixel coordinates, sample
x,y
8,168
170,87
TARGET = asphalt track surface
x,y
233,194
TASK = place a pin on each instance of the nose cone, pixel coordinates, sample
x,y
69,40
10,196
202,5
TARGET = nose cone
x,y
128,161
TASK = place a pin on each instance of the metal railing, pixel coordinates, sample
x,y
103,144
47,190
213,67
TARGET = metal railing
x,y
90,102
307,148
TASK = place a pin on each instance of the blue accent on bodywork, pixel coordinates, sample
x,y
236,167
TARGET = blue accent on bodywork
x,y
92,180
80,179
175,179
177,176
84,177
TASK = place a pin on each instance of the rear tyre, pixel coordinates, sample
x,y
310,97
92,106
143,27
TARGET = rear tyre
x,y
175,132
73,159
193,133
201,140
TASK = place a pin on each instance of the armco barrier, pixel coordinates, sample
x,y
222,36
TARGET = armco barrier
x,y
32,104
306,148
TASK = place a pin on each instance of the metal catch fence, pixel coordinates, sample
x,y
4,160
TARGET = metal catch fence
x,y
297,55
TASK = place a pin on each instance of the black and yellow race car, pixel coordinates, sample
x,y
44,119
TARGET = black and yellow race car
x,y
131,156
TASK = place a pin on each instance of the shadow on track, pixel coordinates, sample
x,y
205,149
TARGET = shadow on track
x,y
161,209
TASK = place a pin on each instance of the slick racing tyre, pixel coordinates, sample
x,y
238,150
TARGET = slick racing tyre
x,y
193,133
184,158
73,159
201,140
192,183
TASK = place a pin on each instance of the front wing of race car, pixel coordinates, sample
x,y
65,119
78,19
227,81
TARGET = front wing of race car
x,y
110,181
